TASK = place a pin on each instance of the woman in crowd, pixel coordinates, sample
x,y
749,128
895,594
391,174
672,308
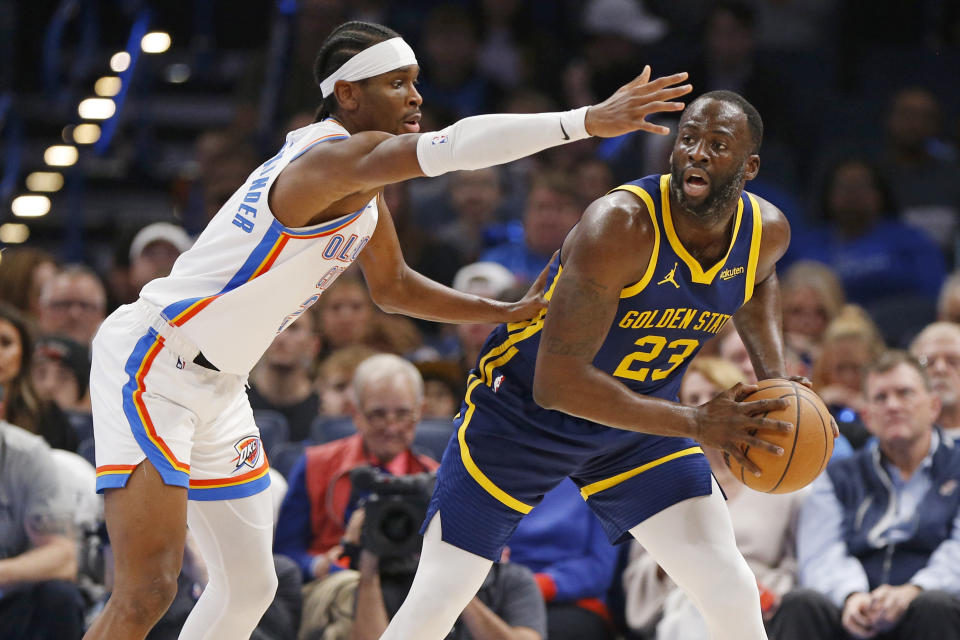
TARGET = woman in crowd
x,y
812,297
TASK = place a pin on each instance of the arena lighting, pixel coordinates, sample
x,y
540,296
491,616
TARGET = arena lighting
x,y
177,73
120,61
60,155
107,86
14,233
96,108
31,206
48,181
86,133
155,42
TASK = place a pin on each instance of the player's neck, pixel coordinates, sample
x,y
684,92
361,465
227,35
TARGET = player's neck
x,y
707,238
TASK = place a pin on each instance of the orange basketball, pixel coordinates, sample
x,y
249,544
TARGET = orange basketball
x,y
806,449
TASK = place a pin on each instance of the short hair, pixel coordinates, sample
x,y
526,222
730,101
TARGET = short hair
x,y
891,359
951,284
754,121
820,278
344,360
344,42
935,327
381,366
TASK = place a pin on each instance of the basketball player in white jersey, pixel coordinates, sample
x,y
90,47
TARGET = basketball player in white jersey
x,y
175,437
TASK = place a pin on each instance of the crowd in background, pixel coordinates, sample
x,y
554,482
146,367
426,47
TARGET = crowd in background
x,y
866,170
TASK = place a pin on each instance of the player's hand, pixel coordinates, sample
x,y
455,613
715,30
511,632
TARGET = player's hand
x,y
531,303
802,380
856,618
890,603
729,424
627,109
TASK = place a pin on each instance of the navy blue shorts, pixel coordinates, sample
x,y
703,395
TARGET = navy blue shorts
x,y
507,452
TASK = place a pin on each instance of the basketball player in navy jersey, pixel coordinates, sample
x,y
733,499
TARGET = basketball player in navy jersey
x,y
588,388
175,437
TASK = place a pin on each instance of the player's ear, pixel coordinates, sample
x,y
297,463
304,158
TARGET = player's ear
x,y
753,167
346,93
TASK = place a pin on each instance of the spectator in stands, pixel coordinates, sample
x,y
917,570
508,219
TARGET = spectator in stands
x,y
732,350
878,258
812,297
20,404
937,348
443,388
38,552
764,525
565,546
849,344
918,166
282,380
879,537
388,400
154,250
73,303
346,315
553,207
222,160
948,303
334,374
60,373
473,210
23,273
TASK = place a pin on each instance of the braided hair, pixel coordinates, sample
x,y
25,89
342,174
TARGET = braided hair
x,y
343,43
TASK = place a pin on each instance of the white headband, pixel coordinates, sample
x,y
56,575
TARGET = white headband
x,y
382,57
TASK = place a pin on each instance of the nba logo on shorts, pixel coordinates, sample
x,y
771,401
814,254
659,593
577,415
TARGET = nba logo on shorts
x,y
248,452
497,382
438,139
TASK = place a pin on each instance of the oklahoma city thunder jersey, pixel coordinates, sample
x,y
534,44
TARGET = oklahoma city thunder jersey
x,y
662,320
248,276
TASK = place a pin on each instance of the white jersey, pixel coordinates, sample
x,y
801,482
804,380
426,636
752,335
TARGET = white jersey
x,y
248,276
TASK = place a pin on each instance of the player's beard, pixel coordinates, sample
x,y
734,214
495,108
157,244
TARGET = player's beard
x,y
718,199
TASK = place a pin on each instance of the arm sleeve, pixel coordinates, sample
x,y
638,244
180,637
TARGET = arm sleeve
x,y
292,537
825,565
941,571
588,575
483,141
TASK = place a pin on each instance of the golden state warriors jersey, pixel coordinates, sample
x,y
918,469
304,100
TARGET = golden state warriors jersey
x,y
662,320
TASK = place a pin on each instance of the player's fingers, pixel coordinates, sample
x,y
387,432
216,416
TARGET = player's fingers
x,y
737,454
740,390
657,129
658,107
664,95
836,429
658,83
764,406
769,424
640,79
754,441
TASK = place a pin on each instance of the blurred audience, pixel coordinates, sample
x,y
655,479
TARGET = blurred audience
x,y
39,598
553,208
937,349
443,387
565,546
21,404
878,539
24,272
471,215
334,374
849,344
764,525
154,250
948,303
812,297
61,373
73,303
922,174
282,381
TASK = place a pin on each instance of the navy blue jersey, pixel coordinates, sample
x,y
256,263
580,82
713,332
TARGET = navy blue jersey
x,y
662,320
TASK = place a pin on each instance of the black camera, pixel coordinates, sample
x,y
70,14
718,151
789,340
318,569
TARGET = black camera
x,y
395,507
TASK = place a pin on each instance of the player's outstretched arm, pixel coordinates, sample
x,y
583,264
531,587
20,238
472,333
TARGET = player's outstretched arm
x,y
396,288
368,160
582,309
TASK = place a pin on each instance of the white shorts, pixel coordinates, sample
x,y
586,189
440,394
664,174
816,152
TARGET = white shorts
x,y
151,401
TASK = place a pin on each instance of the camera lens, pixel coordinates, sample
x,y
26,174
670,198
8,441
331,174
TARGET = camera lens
x,y
398,526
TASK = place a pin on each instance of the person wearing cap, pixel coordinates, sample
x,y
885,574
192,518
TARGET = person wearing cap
x,y
154,250
61,373
172,421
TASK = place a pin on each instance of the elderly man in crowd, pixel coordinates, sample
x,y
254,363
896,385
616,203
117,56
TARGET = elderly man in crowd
x,y
879,537
937,348
73,303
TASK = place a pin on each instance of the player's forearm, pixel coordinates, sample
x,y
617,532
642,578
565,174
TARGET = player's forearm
x,y
760,325
484,624
589,393
56,560
415,295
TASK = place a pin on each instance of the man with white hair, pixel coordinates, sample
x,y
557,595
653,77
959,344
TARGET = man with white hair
x,y
937,348
387,404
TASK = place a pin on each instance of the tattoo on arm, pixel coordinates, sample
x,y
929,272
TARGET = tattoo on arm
x,y
582,314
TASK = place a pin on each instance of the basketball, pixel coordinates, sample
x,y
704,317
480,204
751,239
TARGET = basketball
x,y
806,449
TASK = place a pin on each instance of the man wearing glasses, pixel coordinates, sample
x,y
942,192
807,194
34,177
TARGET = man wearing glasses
x,y
73,303
937,348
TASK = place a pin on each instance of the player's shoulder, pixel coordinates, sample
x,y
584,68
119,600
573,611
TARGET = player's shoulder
x,y
627,212
770,214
